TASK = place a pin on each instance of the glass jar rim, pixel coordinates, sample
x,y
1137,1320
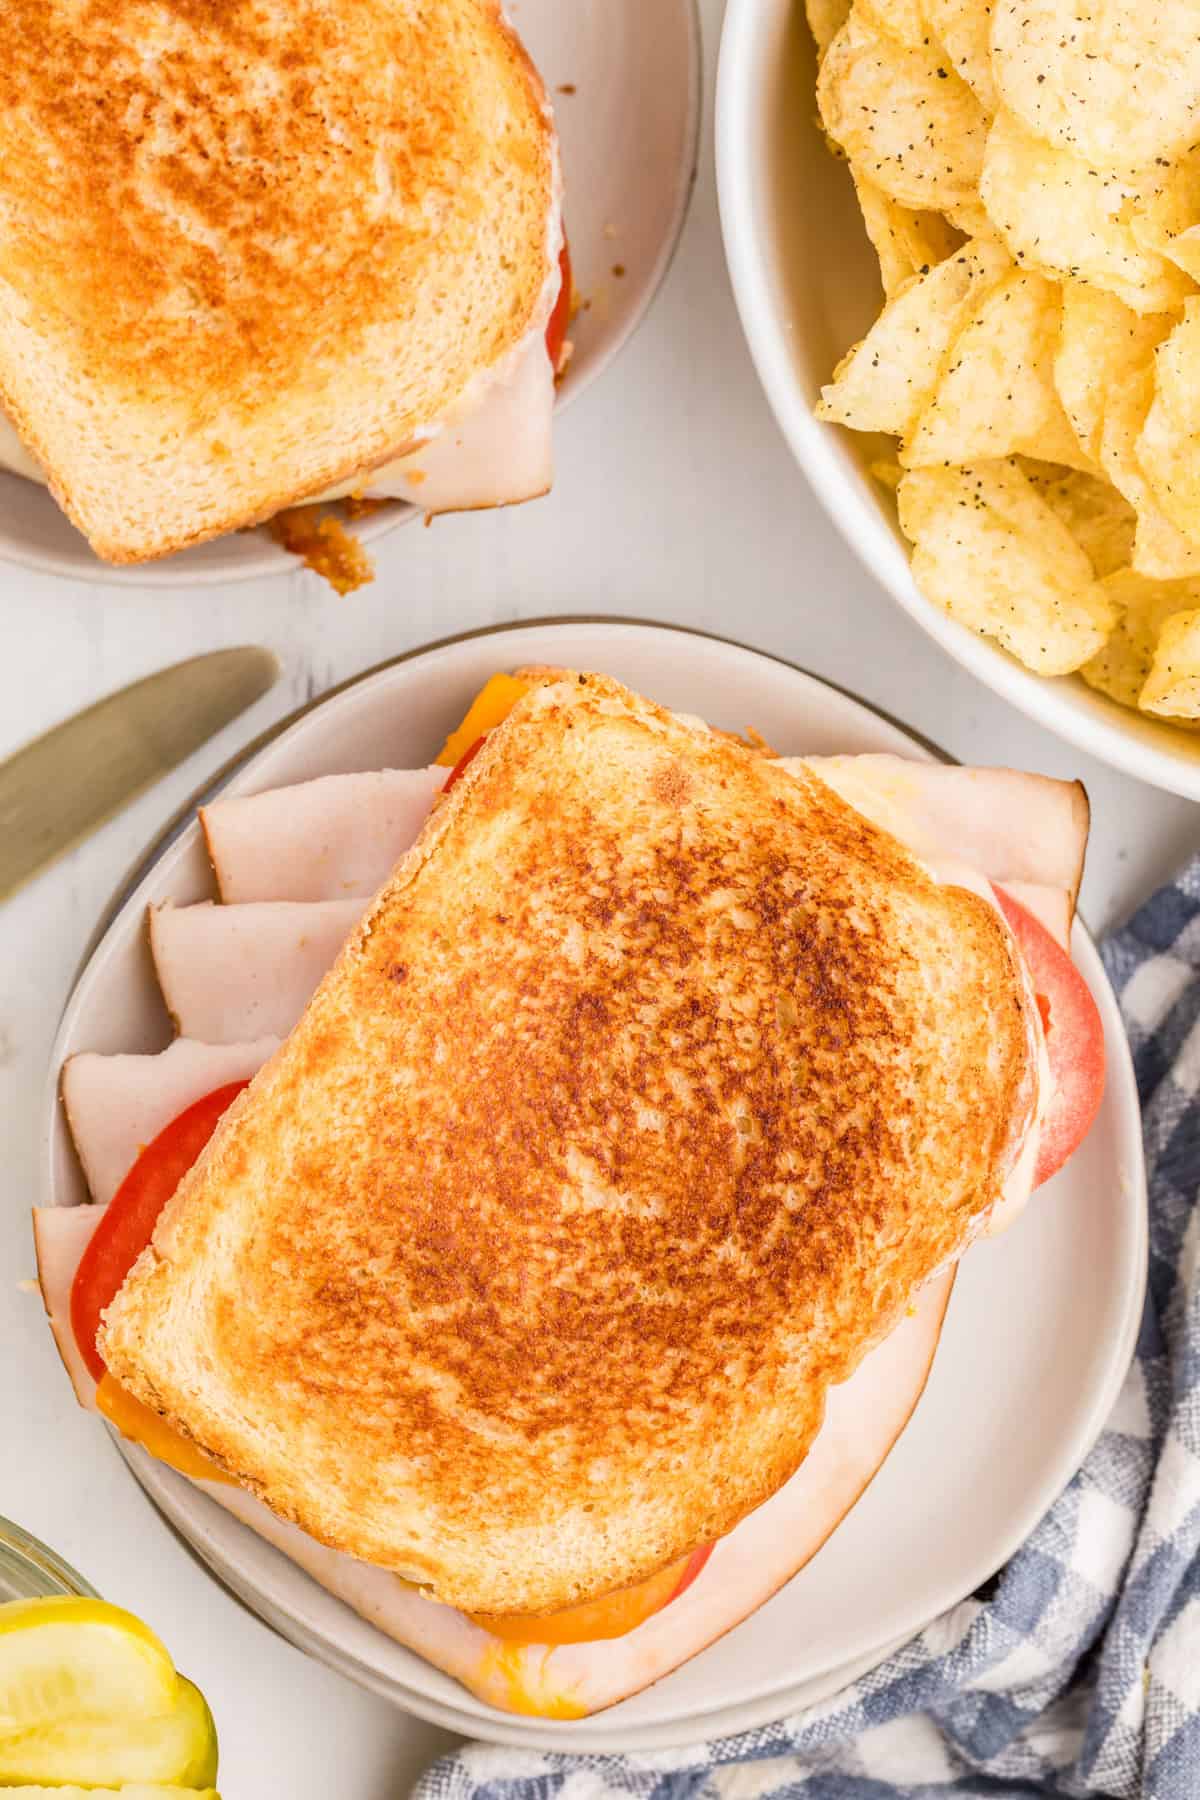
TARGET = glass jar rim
x,y
34,1568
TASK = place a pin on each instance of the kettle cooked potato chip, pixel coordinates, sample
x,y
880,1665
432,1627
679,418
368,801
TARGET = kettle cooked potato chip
x,y
1169,446
1100,520
825,20
885,382
1101,344
1173,685
907,243
1116,82
902,19
964,28
1041,379
1160,550
1122,667
902,115
1058,214
1166,217
997,558
996,394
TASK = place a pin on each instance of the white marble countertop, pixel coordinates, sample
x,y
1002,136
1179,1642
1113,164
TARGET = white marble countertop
x,y
675,499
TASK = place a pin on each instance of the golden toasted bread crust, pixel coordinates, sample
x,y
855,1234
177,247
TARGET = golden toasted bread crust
x,y
248,250
654,1084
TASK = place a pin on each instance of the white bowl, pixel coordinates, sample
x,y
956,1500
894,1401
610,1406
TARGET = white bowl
x,y
807,287
629,131
965,1484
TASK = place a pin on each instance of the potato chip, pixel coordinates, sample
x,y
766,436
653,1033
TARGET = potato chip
x,y
1116,82
1160,550
993,555
1029,175
1170,458
1172,687
1167,217
1168,449
903,116
973,220
1057,214
1177,370
825,20
888,379
907,243
902,19
996,395
1100,519
1120,669
1101,343
963,28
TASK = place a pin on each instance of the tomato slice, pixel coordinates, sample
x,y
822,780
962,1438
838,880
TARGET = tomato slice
x,y
560,318
133,1212
692,1568
464,762
490,707
1074,1039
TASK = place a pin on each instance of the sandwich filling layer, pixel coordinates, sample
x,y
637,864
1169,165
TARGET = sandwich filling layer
x,y
494,448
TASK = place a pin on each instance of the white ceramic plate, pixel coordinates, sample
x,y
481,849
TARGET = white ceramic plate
x,y
595,1735
629,136
1031,1357
807,287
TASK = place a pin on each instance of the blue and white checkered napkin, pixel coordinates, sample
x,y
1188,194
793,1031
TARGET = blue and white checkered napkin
x,y
1080,1673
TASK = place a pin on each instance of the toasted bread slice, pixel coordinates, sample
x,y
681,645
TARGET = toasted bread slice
x,y
653,1085
863,1421
248,252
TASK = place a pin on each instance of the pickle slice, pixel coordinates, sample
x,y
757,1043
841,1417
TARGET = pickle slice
x,y
63,1657
177,1747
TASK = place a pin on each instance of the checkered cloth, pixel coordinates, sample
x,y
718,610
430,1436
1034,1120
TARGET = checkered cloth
x,y
1078,1671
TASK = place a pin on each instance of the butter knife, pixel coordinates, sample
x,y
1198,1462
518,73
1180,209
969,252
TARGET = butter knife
x,y
60,788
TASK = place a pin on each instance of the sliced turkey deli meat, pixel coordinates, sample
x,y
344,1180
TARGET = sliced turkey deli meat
x,y
494,450
1003,823
61,1234
335,838
230,974
863,1419
1027,831
1051,907
115,1105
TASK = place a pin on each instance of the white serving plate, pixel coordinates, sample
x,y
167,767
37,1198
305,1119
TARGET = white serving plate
x,y
807,287
629,136
1032,1357
595,1736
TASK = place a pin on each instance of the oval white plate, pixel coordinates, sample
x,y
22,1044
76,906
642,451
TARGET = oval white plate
x,y
807,287
629,135
1031,1358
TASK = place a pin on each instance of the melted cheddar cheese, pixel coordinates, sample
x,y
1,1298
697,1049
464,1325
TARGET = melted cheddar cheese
x,y
611,1616
141,1426
490,707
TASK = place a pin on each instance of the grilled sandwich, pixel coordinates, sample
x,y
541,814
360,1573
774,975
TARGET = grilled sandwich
x,y
256,253
611,1182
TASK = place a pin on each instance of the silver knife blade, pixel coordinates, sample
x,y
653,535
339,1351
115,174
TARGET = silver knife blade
x,y
58,789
